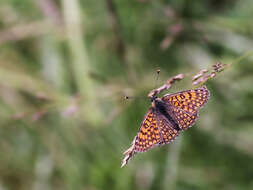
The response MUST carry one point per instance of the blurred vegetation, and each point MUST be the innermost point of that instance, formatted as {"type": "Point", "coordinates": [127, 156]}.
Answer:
{"type": "Point", "coordinates": [65, 67]}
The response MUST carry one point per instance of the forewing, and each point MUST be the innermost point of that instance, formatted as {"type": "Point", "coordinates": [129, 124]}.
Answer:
{"type": "Point", "coordinates": [188, 101]}
{"type": "Point", "coordinates": [149, 134]}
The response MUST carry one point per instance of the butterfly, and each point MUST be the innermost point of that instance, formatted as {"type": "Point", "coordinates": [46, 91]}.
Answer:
{"type": "Point", "coordinates": [168, 116]}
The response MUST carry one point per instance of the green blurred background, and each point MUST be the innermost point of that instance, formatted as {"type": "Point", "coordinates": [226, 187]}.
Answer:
{"type": "Point", "coordinates": [65, 66]}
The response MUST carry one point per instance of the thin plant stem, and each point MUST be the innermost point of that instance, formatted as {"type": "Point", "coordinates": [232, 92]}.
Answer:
{"type": "Point", "coordinates": [222, 68]}
{"type": "Point", "coordinates": [244, 56]}
{"type": "Point", "coordinates": [81, 63]}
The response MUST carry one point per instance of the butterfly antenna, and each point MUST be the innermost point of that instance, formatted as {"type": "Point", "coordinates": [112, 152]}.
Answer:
{"type": "Point", "coordinates": [128, 97]}
{"type": "Point", "coordinates": [157, 76]}
{"type": "Point", "coordinates": [134, 97]}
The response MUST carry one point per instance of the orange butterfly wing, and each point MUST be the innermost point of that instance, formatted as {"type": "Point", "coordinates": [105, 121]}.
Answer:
{"type": "Point", "coordinates": [184, 105]}
{"type": "Point", "coordinates": [184, 119]}
{"type": "Point", "coordinates": [149, 134]}
{"type": "Point", "coordinates": [188, 101]}
{"type": "Point", "coordinates": [168, 132]}
{"type": "Point", "coordinates": [155, 129]}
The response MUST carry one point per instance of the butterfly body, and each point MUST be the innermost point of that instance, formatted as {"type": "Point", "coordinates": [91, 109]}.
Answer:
{"type": "Point", "coordinates": [168, 116]}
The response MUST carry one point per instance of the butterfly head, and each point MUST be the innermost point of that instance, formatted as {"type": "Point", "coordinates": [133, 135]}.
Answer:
{"type": "Point", "coordinates": [153, 98]}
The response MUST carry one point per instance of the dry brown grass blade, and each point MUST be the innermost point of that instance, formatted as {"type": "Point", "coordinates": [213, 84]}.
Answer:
{"type": "Point", "coordinates": [129, 153]}
{"type": "Point", "coordinates": [167, 85]}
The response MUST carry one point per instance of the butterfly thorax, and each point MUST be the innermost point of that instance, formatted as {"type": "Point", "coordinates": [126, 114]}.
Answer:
{"type": "Point", "coordinates": [157, 102]}
{"type": "Point", "coordinates": [159, 105]}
